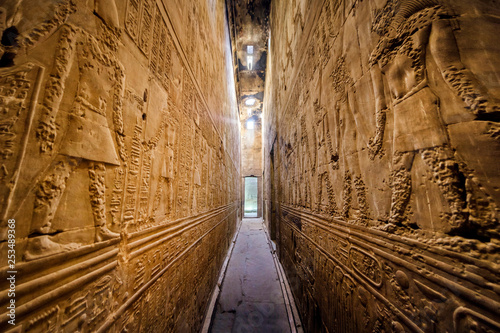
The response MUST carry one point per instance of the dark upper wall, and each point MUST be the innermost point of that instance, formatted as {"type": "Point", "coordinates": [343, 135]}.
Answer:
{"type": "Point", "coordinates": [381, 156]}
{"type": "Point", "coordinates": [120, 162]}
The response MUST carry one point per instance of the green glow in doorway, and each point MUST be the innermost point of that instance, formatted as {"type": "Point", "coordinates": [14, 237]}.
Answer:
{"type": "Point", "coordinates": [250, 197]}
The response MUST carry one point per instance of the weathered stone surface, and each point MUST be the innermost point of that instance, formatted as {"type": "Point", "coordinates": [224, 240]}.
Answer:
{"type": "Point", "coordinates": [381, 162]}
{"type": "Point", "coordinates": [119, 161]}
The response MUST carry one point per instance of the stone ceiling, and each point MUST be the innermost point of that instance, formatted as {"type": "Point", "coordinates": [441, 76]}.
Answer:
{"type": "Point", "coordinates": [249, 22]}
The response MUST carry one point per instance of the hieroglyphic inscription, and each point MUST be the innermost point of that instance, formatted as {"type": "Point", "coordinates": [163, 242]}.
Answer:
{"type": "Point", "coordinates": [117, 124]}
{"type": "Point", "coordinates": [143, 209]}
{"type": "Point", "coordinates": [44, 322]}
{"type": "Point", "coordinates": [117, 196]}
{"type": "Point", "coordinates": [401, 105]}
{"type": "Point", "coordinates": [75, 314]}
{"type": "Point", "coordinates": [101, 301]}
{"type": "Point", "coordinates": [366, 265]}
{"type": "Point", "coordinates": [133, 175]}
{"type": "Point", "coordinates": [132, 18]}
{"type": "Point", "coordinates": [15, 120]}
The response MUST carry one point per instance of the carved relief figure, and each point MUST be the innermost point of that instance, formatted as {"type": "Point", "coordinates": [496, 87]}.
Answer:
{"type": "Point", "coordinates": [411, 31]}
{"type": "Point", "coordinates": [88, 139]}
{"type": "Point", "coordinates": [20, 32]}
{"type": "Point", "coordinates": [167, 171]}
{"type": "Point", "coordinates": [346, 118]}
{"type": "Point", "coordinates": [327, 159]}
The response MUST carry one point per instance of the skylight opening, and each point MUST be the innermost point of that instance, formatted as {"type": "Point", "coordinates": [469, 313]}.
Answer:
{"type": "Point", "coordinates": [250, 102]}
{"type": "Point", "coordinates": [250, 49]}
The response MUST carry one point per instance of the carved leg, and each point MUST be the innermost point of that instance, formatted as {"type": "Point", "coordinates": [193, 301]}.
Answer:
{"type": "Point", "coordinates": [49, 192]}
{"type": "Point", "coordinates": [170, 197]}
{"type": "Point", "coordinates": [306, 192]}
{"type": "Point", "coordinates": [320, 192]}
{"type": "Point", "coordinates": [97, 189]}
{"type": "Point", "coordinates": [359, 186]}
{"type": "Point", "coordinates": [346, 195]}
{"type": "Point", "coordinates": [450, 181]}
{"type": "Point", "coordinates": [332, 203]}
{"type": "Point", "coordinates": [401, 187]}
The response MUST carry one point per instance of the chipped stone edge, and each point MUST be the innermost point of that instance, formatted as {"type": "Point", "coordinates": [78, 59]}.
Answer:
{"type": "Point", "coordinates": [291, 308]}
{"type": "Point", "coordinates": [209, 314]}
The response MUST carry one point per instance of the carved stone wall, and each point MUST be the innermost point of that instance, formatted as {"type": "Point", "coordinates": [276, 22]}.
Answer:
{"type": "Point", "coordinates": [119, 162]}
{"type": "Point", "coordinates": [382, 158]}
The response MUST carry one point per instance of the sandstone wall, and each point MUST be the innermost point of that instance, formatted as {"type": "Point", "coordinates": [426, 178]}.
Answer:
{"type": "Point", "coordinates": [382, 158]}
{"type": "Point", "coordinates": [119, 161]}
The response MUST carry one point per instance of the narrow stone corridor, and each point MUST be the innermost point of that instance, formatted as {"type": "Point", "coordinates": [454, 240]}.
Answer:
{"type": "Point", "coordinates": [203, 166]}
{"type": "Point", "coordinates": [251, 299]}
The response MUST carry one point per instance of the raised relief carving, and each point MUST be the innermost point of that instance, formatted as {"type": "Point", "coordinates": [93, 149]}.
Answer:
{"type": "Point", "coordinates": [366, 265]}
{"type": "Point", "coordinates": [75, 314]}
{"type": "Point", "coordinates": [164, 198]}
{"type": "Point", "coordinates": [326, 203]}
{"type": "Point", "coordinates": [84, 159]}
{"type": "Point", "coordinates": [18, 92]}
{"type": "Point", "coordinates": [347, 128]}
{"type": "Point", "coordinates": [421, 32]}
{"type": "Point", "coordinates": [466, 320]}
{"type": "Point", "coordinates": [46, 130]}
{"type": "Point", "coordinates": [344, 289]}
{"type": "Point", "coordinates": [139, 22]}
{"type": "Point", "coordinates": [101, 299]}
{"type": "Point", "coordinates": [402, 96]}
{"type": "Point", "coordinates": [46, 321]}
{"type": "Point", "coordinates": [88, 138]}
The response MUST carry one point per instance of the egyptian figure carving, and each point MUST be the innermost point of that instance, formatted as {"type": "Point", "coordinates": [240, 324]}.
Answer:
{"type": "Point", "coordinates": [327, 160]}
{"type": "Point", "coordinates": [104, 182]}
{"type": "Point", "coordinates": [165, 192]}
{"type": "Point", "coordinates": [408, 91]}
{"type": "Point", "coordinates": [88, 136]}
{"type": "Point", "coordinates": [22, 29]}
{"type": "Point", "coordinates": [412, 31]}
{"type": "Point", "coordinates": [20, 32]}
{"type": "Point", "coordinates": [346, 119]}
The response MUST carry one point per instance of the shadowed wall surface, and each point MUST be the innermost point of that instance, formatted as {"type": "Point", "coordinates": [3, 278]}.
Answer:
{"type": "Point", "coordinates": [381, 162]}
{"type": "Point", "coordinates": [120, 162]}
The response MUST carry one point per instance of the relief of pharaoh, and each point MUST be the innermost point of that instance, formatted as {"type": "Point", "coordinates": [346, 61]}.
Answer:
{"type": "Point", "coordinates": [412, 31]}
{"type": "Point", "coordinates": [88, 102]}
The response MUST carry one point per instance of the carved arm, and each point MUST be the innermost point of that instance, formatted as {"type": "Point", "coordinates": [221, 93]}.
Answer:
{"type": "Point", "coordinates": [461, 80]}
{"type": "Point", "coordinates": [375, 143]}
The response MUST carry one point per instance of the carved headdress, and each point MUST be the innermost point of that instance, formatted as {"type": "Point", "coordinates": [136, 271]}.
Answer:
{"type": "Point", "coordinates": [395, 12]}
{"type": "Point", "coordinates": [390, 20]}
{"type": "Point", "coordinates": [406, 8]}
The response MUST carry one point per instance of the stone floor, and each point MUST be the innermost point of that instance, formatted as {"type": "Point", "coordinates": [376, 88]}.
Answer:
{"type": "Point", "coordinates": [251, 299]}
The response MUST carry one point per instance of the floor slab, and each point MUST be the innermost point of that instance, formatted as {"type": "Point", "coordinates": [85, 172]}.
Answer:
{"type": "Point", "coordinates": [251, 299]}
